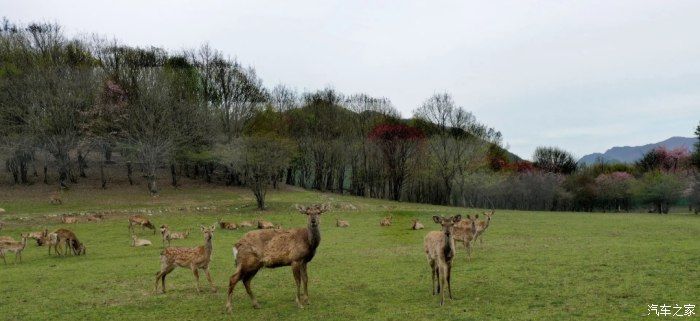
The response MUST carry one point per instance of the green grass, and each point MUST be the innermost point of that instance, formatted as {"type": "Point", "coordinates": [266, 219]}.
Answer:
{"type": "Point", "coordinates": [532, 266]}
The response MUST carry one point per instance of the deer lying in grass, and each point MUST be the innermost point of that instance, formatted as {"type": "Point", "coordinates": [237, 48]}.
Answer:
{"type": "Point", "coordinates": [135, 241]}
{"type": "Point", "coordinates": [275, 248]}
{"type": "Point", "coordinates": [14, 247]}
{"type": "Point", "coordinates": [385, 221]}
{"type": "Point", "coordinates": [439, 248]}
{"type": "Point", "coordinates": [68, 219]}
{"type": "Point", "coordinates": [95, 217]}
{"type": "Point", "coordinates": [262, 224]}
{"type": "Point", "coordinates": [55, 199]}
{"type": "Point", "coordinates": [194, 258]}
{"type": "Point", "coordinates": [341, 223]}
{"type": "Point", "coordinates": [465, 231]}
{"type": "Point", "coordinates": [169, 235]}
{"type": "Point", "coordinates": [70, 242]}
{"type": "Point", "coordinates": [227, 225]}
{"type": "Point", "coordinates": [140, 220]}
{"type": "Point", "coordinates": [481, 226]}
{"type": "Point", "coordinates": [417, 225]}
{"type": "Point", "coordinates": [245, 224]}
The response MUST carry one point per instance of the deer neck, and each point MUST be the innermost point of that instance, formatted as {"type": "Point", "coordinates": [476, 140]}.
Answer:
{"type": "Point", "coordinates": [314, 235]}
{"type": "Point", "coordinates": [448, 246]}
{"type": "Point", "coordinates": [208, 247]}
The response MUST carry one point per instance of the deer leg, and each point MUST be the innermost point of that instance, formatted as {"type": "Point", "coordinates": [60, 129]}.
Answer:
{"type": "Point", "coordinates": [443, 272]}
{"type": "Point", "coordinates": [213, 287]}
{"type": "Point", "coordinates": [195, 271]}
{"type": "Point", "coordinates": [305, 283]}
{"type": "Point", "coordinates": [449, 278]}
{"type": "Point", "coordinates": [433, 273]}
{"type": "Point", "coordinates": [232, 284]}
{"type": "Point", "coordinates": [246, 283]}
{"type": "Point", "coordinates": [296, 269]}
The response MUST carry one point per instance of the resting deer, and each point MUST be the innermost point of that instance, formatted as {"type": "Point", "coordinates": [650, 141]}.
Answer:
{"type": "Point", "coordinates": [439, 247]}
{"type": "Point", "coordinates": [55, 199]}
{"type": "Point", "coordinates": [262, 224]}
{"type": "Point", "coordinates": [194, 258]}
{"type": "Point", "coordinates": [140, 220]}
{"type": "Point", "coordinates": [227, 225]}
{"type": "Point", "coordinates": [14, 247]}
{"type": "Point", "coordinates": [70, 241]}
{"type": "Point", "coordinates": [245, 224]}
{"type": "Point", "coordinates": [341, 223]}
{"type": "Point", "coordinates": [95, 217]}
{"type": "Point", "coordinates": [67, 219]}
{"type": "Point", "coordinates": [417, 225]}
{"type": "Point", "coordinates": [481, 226]}
{"type": "Point", "coordinates": [465, 231]}
{"type": "Point", "coordinates": [135, 241]}
{"type": "Point", "coordinates": [385, 221]}
{"type": "Point", "coordinates": [275, 248]}
{"type": "Point", "coordinates": [170, 235]}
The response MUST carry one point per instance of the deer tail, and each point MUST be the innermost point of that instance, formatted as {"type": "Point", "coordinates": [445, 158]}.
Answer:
{"type": "Point", "coordinates": [235, 256]}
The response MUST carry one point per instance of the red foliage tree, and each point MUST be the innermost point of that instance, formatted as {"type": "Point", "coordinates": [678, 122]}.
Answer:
{"type": "Point", "coordinates": [398, 144]}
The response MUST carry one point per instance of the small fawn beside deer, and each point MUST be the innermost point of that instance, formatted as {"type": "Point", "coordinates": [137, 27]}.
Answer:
{"type": "Point", "coordinates": [194, 258]}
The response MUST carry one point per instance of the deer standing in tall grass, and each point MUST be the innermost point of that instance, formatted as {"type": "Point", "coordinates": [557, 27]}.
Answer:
{"type": "Point", "coordinates": [275, 248]}
{"type": "Point", "coordinates": [140, 220]}
{"type": "Point", "coordinates": [439, 248]}
{"type": "Point", "coordinates": [194, 258]}
{"type": "Point", "coordinates": [14, 247]}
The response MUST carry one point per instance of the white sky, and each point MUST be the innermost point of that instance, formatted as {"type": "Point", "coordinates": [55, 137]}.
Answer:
{"type": "Point", "coordinates": [581, 75]}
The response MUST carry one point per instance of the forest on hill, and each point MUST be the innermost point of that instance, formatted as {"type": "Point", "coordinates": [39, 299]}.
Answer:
{"type": "Point", "coordinates": [69, 103]}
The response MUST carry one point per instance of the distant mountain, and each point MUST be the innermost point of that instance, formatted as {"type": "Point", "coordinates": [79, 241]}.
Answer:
{"type": "Point", "coordinates": [630, 154]}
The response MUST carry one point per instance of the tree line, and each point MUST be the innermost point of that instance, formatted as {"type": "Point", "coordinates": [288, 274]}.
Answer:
{"type": "Point", "coordinates": [65, 102]}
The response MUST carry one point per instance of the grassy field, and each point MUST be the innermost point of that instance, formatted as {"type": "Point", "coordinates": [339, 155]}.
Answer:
{"type": "Point", "coordinates": [532, 265]}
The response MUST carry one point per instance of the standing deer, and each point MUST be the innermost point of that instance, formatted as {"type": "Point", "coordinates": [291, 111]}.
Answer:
{"type": "Point", "coordinates": [140, 220]}
{"type": "Point", "coordinates": [39, 236]}
{"type": "Point", "coordinates": [70, 241]}
{"type": "Point", "coordinates": [385, 221]}
{"type": "Point", "coordinates": [275, 248]}
{"type": "Point", "coordinates": [170, 235]}
{"type": "Point", "coordinates": [15, 247]}
{"type": "Point", "coordinates": [439, 248]}
{"type": "Point", "coordinates": [465, 231]}
{"type": "Point", "coordinates": [194, 258]}
{"type": "Point", "coordinates": [51, 241]}
{"type": "Point", "coordinates": [262, 224]}
{"type": "Point", "coordinates": [481, 226]}
{"type": "Point", "coordinates": [341, 223]}
{"type": "Point", "coordinates": [417, 225]}
{"type": "Point", "coordinates": [135, 241]}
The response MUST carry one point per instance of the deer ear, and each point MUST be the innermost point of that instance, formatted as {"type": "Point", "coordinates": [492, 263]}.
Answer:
{"type": "Point", "coordinates": [457, 218]}
{"type": "Point", "coordinates": [201, 227]}
{"type": "Point", "coordinates": [213, 227]}
{"type": "Point", "coordinates": [300, 208]}
{"type": "Point", "coordinates": [437, 219]}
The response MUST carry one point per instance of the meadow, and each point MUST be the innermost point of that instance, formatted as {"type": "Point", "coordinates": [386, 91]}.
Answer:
{"type": "Point", "coordinates": [531, 266]}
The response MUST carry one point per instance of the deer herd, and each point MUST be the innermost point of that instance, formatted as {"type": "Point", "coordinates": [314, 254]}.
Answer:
{"type": "Point", "coordinates": [268, 246]}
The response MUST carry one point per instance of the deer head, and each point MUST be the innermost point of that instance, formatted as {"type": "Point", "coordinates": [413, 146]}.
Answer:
{"type": "Point", "coordinates": [447, 223]}
{"type": "Point", "coordinates": [208, 232]}
{"type": "Point", "coordinates": [313, 212]}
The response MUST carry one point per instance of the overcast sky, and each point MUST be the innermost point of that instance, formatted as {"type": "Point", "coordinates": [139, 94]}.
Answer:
{"type": "Point", "coordinates": [581, 75]}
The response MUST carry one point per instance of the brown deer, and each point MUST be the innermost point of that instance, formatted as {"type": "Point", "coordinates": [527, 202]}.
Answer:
{"type": "Point", "coordinates": [417, 225]}
{"type": "Point", "coordinates": [140, 220]}
{"type": "Point", "coordinates": [169, 235]}
{"type": "Point", "coordinates": [194, 258]}
{"type": "Point", "coordinates": [465, 231]}
{"type": "Point", "coordinates": [55, 199]}
{"type": "Point", "coordinates": [275, 248]}
{"type": "Point", "coordinates": [262, 224]}
{"type": "Point", "coordinates": [439, 248]}
{"type": "Point", "coordinates": [7, 239]}
{"type": "Point", "coordinates": [227, 225]}
{"type": "Point", "coordinates": [385, 221]}
{"type": "Point", "coordinates": [15, 247]}
{"type": "Point", "coordinates": [70, 242]}
{"type": "Point", "coordinates": [481, 226]}
{"type": "Point", "coordinates": [51, 241]}
{"type": "Point", "coordinates": [341, 223]}
{"type": "Point", "coordinates": [135, 241]}
{"type": "Point", "coordinates": [245, 224]}
{"type": "Point", "coordinates": [95, 217]}
{"type": "Point", "coordinates": [68, 219]}
{"type": "Point", "coordinates": [39, 236]}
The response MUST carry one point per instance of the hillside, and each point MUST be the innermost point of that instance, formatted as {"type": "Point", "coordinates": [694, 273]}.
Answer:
{"type": "Point", "coordinates": [630, 154]}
